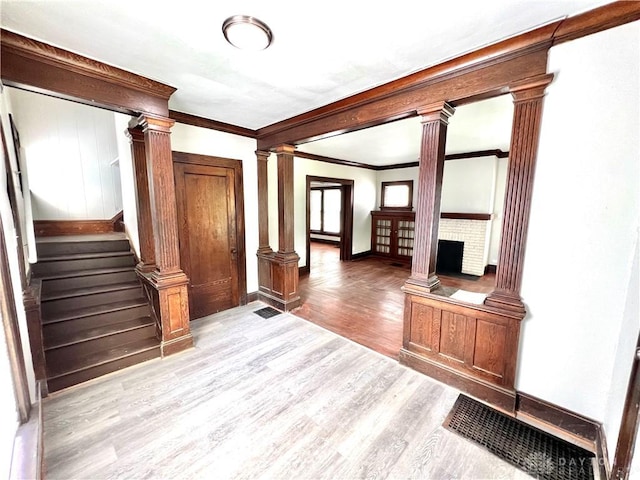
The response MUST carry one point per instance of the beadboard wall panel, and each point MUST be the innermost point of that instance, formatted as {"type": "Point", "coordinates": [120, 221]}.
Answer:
{"type": "Point", "coordinates": [71, 153]}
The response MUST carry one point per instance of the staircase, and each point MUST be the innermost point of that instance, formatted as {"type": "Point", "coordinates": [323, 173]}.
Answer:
{"type": "Point", "coordinates": [95, 316]}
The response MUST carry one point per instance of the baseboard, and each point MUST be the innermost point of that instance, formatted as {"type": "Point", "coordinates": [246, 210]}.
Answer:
{"type": "Point", "coordinates": [497, 397]}
{"type": "Point", "coordinates": [278, 302]}
{"type": "Point", "coordinates": [577, 427]}
{"type": "Point", "coordinates": [567, 425]}
{"type": "Point", "coordinates": [490, 269]}
{"type": "Point", "coordinates": [602, 454]}
{"type": "Point", "coordinates": [252, 297]}
{"type": "Point", "coordinates": [28, 459]}
{"type": "Point", "coordinates": [358, 256]}
{"type": "Point", "coordinates": [325, 240]}
{"type": "Point", "coordinates": [303, 270]}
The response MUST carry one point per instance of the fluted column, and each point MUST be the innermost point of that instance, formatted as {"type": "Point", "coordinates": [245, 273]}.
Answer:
{"type": "Point", "coordinates": [285, 199]}
{"type": "Point", "coordinates": [145, 227]}
{"type": "Point", "coordinates": [278, 272]}
{"type": "Point", "coordinates": [168, 283]}
{"type": "Point", "coordinates": [263, 202]}
{"type": "Point", "coordinates": [527, 98]}
{"type": "Point", "coordinates": [435, 118]}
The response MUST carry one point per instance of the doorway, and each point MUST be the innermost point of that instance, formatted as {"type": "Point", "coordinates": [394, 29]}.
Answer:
{"type": "Point", "coordinates": [210, 210]}
{"type": "Point", "coordinates": [340, 194]}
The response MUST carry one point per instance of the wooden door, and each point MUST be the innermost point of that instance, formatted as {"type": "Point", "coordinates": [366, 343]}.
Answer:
{"type": "Point", "coordinates": [208, 234]}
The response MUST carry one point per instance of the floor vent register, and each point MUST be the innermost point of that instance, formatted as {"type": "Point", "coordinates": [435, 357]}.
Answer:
{"type": "Point", "coordinates": [537, 453]}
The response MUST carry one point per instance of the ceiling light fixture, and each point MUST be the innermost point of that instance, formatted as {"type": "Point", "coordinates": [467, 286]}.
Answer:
{"type": "Point", "coordinates": [247, 33]}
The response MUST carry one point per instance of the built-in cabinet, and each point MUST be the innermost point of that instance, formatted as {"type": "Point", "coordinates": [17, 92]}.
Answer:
{"type": "Point", "coordinates": [392, 234]}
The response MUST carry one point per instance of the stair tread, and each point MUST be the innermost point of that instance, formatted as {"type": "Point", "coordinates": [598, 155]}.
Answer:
{"type": "Point", "coordinates": [85, 273]}
{"type": "Point", "coordinates": [80, 292]}
{"type": "Point", "coordinates": [63, 339]}
{"type": "Point", "coordinates": [83, 256]}
{"type": "Point", "coordinates": [95, 310]}
{"type": "Point", "coordinates": [99, 357]}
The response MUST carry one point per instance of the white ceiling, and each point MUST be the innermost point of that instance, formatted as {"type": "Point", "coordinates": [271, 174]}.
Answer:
{"type": "Point", "coordinates": [484, 125]}
{"type": "Point", "coordinates": [322, 51]}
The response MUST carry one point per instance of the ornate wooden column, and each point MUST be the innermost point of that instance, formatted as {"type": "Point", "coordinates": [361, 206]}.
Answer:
{"type": "Point", "coordinates": [263, 202]}
{"type": "Point", "coordinates": [280, 287]}
{"type": "Point", "coordinates": [527, 115]}
{"type": "Point", "coordinates": [167, 282]}
{"type": "Point", "coordinates": [145, 227]}
{"type": "Point", "coordinates": [435, 118]}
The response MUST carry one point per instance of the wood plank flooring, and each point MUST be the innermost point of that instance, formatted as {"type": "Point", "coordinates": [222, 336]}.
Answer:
{"type": "Point", "coordinates": [362, 300]}
{"type": "Point", "coordinates": [278, 398]}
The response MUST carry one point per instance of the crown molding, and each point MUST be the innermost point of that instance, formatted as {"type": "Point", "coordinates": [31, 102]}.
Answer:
{"type": "Point", "coordinates": [43, 52]}
{"type": "Point", "coordinates": [196, 121]}
{"type": "Point", "coordinates": [348, 163]}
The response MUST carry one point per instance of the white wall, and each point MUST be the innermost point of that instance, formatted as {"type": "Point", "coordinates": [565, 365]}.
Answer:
{"type": "Point", "coordinates": [576, 339]}
{"type": "Point", "coordinates": [364, 195]}
{"type": "Point", "coordinates": [127, 180]}
{"type": "Point", "coordinates": [186, 138]}
{"type": "Point", "coordinates": [469, 185]}
{"type": "Point", "coordinates": [69, 149]}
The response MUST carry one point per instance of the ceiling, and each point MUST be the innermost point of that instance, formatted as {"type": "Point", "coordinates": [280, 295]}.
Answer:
{"type": "Point", "coordinates": [322, 52]}
{"type": "Point", "coordinates": [484, 125]}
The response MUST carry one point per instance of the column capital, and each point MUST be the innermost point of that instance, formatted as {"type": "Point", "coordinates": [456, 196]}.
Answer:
{"type": "Point", "coordinates": [157, 123]}
{"type": "Point", "coordinates": [263, 155]}
{"type": "Point", "coordinates": [530, 88]}
{"type": "Point", "coordinates": [285, 149]}
{"type": "Point", "coordinates": [134, 134]}
{"type": "Point", "coordinates": [437, 111]}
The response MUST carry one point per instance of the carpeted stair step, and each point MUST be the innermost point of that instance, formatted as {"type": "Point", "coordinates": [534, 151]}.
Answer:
{"type": "Point", "coordinates": [55, 246]}
{"type": "Point", "coordinates": [94, 316]}
{"type": "Point", "coordinates": [56, 303]}
{"type": "Point", "coordinates": [82, 261]}
{"type": "Point", "coordinates": [79, 342]}
{"type": "Point", "coordinates": [100, 362]}
{"type": "Point", "coordinates": [62, 281]}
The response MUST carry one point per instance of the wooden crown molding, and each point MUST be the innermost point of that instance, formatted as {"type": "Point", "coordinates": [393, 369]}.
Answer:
{"type": "Point", "coordinates": [596, 20]}
{"type": "Point", "coordinates": [43, 52]}
{"type": "Point", "coordinates": [348, 163]}
{"type": "Point", "coordinates": [349, 113]}
{"type": "Point", "coordinates": [196, 121]}
{"type": "Point", "coordinates": [336, 161]}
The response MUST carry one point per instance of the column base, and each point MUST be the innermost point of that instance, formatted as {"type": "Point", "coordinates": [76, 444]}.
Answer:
{"type": "Point", "coordinates": [278, 278]}
{"type": "Point", "coordinates": [169, 300]}
{"type": "Point", "coordinates": [145, 268]}
{"type": "Point", "coordinates": [506, 301]}
{"type": "Point", "coordinates": [419, 284]}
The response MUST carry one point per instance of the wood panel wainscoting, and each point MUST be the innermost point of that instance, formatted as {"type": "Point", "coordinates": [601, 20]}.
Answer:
{"type": "Point", "coordinates": [469, 347]}
{"type": "Point", "coordinates": [52, 228]}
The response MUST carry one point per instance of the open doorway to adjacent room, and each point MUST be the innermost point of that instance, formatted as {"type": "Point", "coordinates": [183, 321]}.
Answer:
{"type": "Point", "coordinates": [362, 299]}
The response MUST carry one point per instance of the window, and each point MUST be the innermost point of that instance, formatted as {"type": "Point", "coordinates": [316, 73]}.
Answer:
{"type": "Point", "coordinates": [397, 195]}
{"type": "Point", "coordinates": [325, 210]}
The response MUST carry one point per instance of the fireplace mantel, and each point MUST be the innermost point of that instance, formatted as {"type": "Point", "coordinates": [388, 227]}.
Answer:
{"type": "Point", "coordinates": [466, 216]}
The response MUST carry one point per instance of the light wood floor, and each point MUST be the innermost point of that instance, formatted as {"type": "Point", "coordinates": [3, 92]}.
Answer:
{"type": "Point", "coordinates": [278, 398]}
{"type": "Point", "coordinates": [362, 300]}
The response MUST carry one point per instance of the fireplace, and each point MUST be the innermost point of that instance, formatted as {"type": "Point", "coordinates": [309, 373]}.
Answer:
{"type": "Point", "coordinates": [473, 232]}
{"type": "Point", "coordinates": [449, 256]}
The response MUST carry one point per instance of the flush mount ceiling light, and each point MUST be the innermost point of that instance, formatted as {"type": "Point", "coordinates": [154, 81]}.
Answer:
{"type": "Point", "coordinates": [247, 33]}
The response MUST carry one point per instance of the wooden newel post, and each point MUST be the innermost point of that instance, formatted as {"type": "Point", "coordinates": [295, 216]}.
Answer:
{"type": "Point", "coordinates": [145, 228]}
{"type": "Point", "coordinates": [167, 282]}
{"type": "Point", "coordinates": [435, 119]}
{"type": "Point", "coordinates": [527, 99]}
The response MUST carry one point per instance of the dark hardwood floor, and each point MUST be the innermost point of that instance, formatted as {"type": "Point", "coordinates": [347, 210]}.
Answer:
{"type": "Point", "coordinates": [362, 300]}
